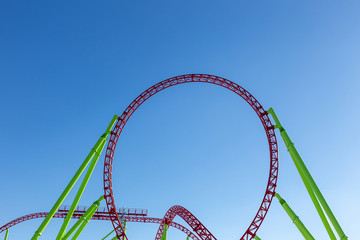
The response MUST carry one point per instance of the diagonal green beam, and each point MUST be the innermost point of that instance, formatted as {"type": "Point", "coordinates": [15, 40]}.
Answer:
{"type": "Point", "coordinates": [81, 190]}
{"type": "Point", "coordinates": [6, 235]}
{"type": "Point", "coordinates": [107, 235]}
{"type": "Point", "coordinates": [296, 220]}
{"type": "Point", "coordinates": [87, 218]}
{"type": "Point", "coordinates": [164, 235]}
{"type": "Point", "coordinates": [86, 215]}
{"type": "Point", "coordinates": [72, 182]}
{"type": "Point", "coordinates": [307, 179]}
{"type": "Point", "coordinates": [257, 238]}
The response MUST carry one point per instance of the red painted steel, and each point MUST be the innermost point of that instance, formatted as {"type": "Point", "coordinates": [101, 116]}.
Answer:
{"type": "Point", "coordinates": [189, 218]}
{"type": "Point", "coordinates": [97, 216]}
{"type": "Point", "coordinates": [103, 210]}
{"type": "Point", "coordinates": [203, 78]}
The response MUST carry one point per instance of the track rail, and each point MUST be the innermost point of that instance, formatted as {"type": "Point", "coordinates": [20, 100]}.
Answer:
{"type": "Point", "coordinates": [189, 218]}
{"type": "Point", "coordinates": [97, 216]}
{"type": "Point", "coordinates": [201, 78]}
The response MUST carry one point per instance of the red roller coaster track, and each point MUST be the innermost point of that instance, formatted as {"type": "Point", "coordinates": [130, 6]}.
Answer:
{"type": "Point", "coordinates": [97, 216]}
{"type": "Point", "coordinates": [202, 78]}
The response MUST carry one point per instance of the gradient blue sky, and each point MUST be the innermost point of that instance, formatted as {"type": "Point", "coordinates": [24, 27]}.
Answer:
{"type": "Point", "coordinates": [67, 67]}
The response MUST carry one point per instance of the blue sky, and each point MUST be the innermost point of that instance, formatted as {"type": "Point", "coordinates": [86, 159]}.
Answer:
{"type": "Point", "coordinates": [66, 68]}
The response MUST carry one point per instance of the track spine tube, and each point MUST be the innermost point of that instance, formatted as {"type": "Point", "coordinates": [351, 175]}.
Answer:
{"type": "Point", "coordinates": [257, 238]}
{"type": "Point", "coordinates": [296, 220]}
{"type": "Point", "coordinates": [307, 179]}
{"type": "Point", "coordinates": [72, 182]}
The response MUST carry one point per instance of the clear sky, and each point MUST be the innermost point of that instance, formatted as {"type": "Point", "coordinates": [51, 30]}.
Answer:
{"type": "Point", "coordinates": [67, 67]}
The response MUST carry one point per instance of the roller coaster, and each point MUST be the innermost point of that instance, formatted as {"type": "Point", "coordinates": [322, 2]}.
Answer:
{"type": "Point", "coordinates": [196, 231]}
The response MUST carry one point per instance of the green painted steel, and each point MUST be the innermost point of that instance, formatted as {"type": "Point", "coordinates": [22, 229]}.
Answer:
{"type": "Point", "coordinates": [86, 216]}
{"type": "Point", "coordinates": [164, 235]}
{"type": "Point", "coordinates": [316, 203]}
{"type": "Point", "coordinates": [81, 190]}
{"type": "Point", "coordinates": [124, 227]}
{"type": "Point", "coordinates": [107, 235]}
{"type": "Point", "coordinates": [187, 238]}
{"type": "Point", "coordinates": [7, 234]}
{"type": "Point", "coordinates": [296, 220]}
{"type": "Point", "coordinates": [72, 182]}
{"type": "Point", "coordinates": [308, 180]}
{"type": "Point", "coordinates": [257, 238]}
{"type": "Point", "coordinates": [115, 238]}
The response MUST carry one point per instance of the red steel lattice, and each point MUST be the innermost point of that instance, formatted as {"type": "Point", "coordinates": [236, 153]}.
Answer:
{"type": "Point", "coordinates": [97, 216]}
{"type": "Point", "coordinates": [189, 218]}
{"type": "Point", "coordinates": [202, 78]}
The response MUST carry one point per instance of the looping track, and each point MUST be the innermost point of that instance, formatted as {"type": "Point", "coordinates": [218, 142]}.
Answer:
{"type": "Point", "coordinates": [201, 78]}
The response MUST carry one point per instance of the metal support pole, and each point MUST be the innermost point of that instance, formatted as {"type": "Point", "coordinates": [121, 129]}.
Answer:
{"type": "Point", "coordinates": [6, 235]}
{"type": "Point", "coordinates": [124, 227]}
{"type": "Point", "coordinates": [87, 217]}
{"type": "Point", "coordinates": [257, 238]}
{"type": "Point", "coordinates": [296, 220]}
{"type": "Point", "coordinates": [91, 210]}
{"type": "Point", "coordinates": [187, 238]}
{"type": "Point", "coordinates": [81, 190]}
{"type": "Point", "coordinates": [307, 179]}
{"type": "Point", "coordinates": [72, 182]}
{"type": "Point", "coordinates": [164, 235]}
{"type": "Point", "coordinates": [108, 234]}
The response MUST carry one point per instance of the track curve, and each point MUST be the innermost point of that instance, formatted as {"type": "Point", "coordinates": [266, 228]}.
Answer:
{"type": "Point", "coordinates": [189, 218]}
{"type": "Point", "coordinates": [202, 78]}
{"type": "Point", "coordinates": [97, 217]}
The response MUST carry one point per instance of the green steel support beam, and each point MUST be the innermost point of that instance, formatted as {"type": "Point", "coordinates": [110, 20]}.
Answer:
{"type": "Point", "coordinates": [124, 227]}
{"type": "Point", "coordinates": [7, 234]}
{"type": "Point", "coordinates": [73, 181]}
{"type": "Point", "coordinates": [107, 235]}
{"type": "Point", "coordinates": [81, 190]}
{"type": "Point", "coordinates": [257, 238]}
{"type": "Point", "coordinates": [187, 238]}
{"type": "Point", "coordinates": [114, 238]}
{"type": "Point", "coordinates": [296, 220]}
{"type": "Point", "coordinates": [308, 178]}
{"type": "Point", "coordinates": [316, 203]}
{"type": "Point", "coordinates": [86, 216]}
{"type": "Point", "coordinates": [164, 235]}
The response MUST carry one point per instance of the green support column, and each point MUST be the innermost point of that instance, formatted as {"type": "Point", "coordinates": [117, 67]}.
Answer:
{"type": "Point", "coordinates": [307, 178]}
{"type": "Point", "coordinates": [81, 190]}
{"type": "Point", "coordinates": [257, 238]}
{"type": "Point", "coordinates": [187, 238]}
{"type": "Point", "coordinates": [108, 234]}
{"type": "Point", "coordinates": [6, 235]}
{"type": "Point", "coordinates": [164, 235]}
{"type": "Point", "coordinates": [72, 182]}
{"type": "Point", "coordinates": [124, 227]}
{"type": "Point", "coordinates": [296, 220]}
{"type": "Point", "coordinates": [86, 216]}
